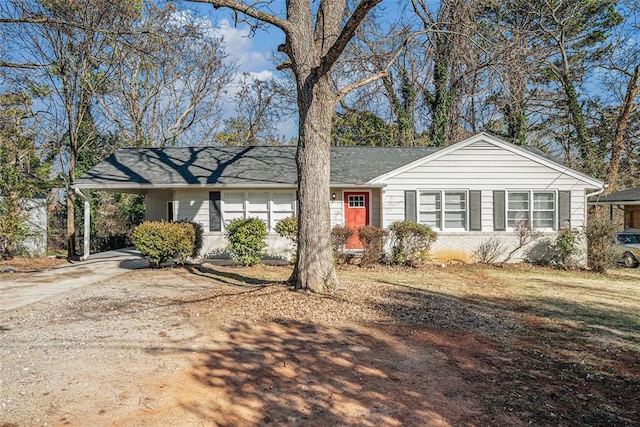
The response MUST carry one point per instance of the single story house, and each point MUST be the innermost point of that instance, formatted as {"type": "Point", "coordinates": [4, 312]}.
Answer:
{"type": "Point", "coordinates": [468, 192]}
{"type": "Point", "coordinates": [629, 201]}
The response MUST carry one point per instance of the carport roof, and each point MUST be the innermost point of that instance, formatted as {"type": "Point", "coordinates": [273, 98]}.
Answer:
{"type": "Point", "coordinates": [630, 196]}
{"type": "Point", "coordinates": [254, 166]}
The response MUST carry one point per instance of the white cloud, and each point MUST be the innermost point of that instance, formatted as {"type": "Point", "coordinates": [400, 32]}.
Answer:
{"type": "Point", "coordinates": [287, 128]}
{"type": "Point", "coordinates": [239, 46]}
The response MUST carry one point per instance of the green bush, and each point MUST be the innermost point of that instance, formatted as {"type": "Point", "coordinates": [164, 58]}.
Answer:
{"type": "Point", "coordinates": [247, 240]}
{"type": "Point", "coordinates": [373, 239]}
{"type": "Point", "coordinates": [160, 241]}
{"type": "Point", "coordinates": [198, 240]}
{"type": "Point", "coordinates": [411, 242]}
{"type": "Point", "coordinates": [288, 228]}
{"type": "Point", "coordinates": [599, 233]}
{"type": "Point", "coordinates": [564, 248]}
{"type": "Point", "coordinates": [13, 227]}
{"type": "Point", "coordinates": [339, 237]}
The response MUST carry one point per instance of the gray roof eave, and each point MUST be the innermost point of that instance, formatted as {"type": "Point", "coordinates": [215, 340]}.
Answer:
{"type": "Point", "coordinates": [123, 186]}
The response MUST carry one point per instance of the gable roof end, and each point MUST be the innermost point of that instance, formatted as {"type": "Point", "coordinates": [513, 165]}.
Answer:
{"type": "Point", "coordinates": [485, 137]}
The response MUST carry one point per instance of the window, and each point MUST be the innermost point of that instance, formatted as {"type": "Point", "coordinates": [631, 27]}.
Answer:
{"type": "Point", "coordinates": [544, 210]}
{"type": "Point", "coordinates": [356, 201]}
{"type": "Point", "coordinates": [517, 209]}
{"type": "Point", "coordinates": [430, 210]}
{"type": "Point", "coordinates": [536, 208]}
{"type": "Point", "coordinates": [455, 210]}
{"type": "Point", "coordinates": [450, 215]}
{"type": "Point", "coordinates": [270, 207]}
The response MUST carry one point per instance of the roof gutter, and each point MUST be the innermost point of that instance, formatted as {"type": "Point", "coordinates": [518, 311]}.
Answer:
{"type": "Point", "coordinates": [87, 224]}
{"type": "Point", "coordinates": [597, 192]}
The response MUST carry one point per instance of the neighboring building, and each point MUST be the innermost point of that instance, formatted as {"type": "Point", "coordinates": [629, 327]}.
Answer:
{"type": "Point", "coordinates": [629, 201]}
{"type": "Point", "coordinates": [35, 244]}
{"type": "Point", "coordinates": [468, 192]}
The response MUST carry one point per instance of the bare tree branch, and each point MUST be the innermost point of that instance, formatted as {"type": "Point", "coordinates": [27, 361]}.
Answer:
{"type": "Point", "coordinates": [353, 86]}
{"type": "Point", "coordinates": [346, 35]}
{"type": "Point", "coordinates": [238, 6]}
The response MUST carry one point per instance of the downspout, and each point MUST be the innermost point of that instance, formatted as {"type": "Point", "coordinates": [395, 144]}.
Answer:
{"type": "Point", "coordinates": [87, 225]}
{"type": "Point", "coordinates": [595, 193]}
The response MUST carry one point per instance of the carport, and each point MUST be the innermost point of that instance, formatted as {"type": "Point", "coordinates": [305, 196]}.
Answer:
{"type": "Point", "coordinates": [628, 200]}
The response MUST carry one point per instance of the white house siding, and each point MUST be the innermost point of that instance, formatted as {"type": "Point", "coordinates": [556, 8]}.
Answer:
{"type": "Point", "coordinates": [193, 205]}
{"type": "Point", "coordinates": [487, 168]}
{"type": "Point", "coordinates": [35, 242]}
{"type": "Point", "coordinates": [215, 246]}
{"type": "Point", "coordinates": [156, 204]}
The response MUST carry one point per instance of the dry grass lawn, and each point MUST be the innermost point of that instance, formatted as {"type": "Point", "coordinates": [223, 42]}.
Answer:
{"type": "Point", "coordinates": [211, 345]}
{"type": "Point", "coordinates": [531, 345]}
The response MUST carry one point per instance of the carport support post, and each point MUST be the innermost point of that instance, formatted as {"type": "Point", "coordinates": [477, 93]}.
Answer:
{"type": "Point", "coordinates": [87, 225]}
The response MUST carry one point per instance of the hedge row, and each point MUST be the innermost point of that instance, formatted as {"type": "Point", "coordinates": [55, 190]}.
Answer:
{"type": "Point", "coordinates": [178, 241]}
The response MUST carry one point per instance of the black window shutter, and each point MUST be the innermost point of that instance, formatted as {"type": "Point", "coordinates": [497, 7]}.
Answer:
{"type": "Point", "coordinates": [215, 216]}
{"type": "Point", "coordinates": [499, 223]}
{"type": "Point", "coordinates": [564, 209]}
{"type": "Point", "coordinates": [410, 206]}
{"type": "Point", "coordinates": [475, 211]}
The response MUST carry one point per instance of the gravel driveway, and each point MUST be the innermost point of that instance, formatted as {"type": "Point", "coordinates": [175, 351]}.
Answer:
{"type": "Point", "coordinates": [93, 343]}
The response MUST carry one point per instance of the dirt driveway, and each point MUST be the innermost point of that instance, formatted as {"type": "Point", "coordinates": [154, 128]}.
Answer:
{"type": "Point", "coordinates": [218, 347]}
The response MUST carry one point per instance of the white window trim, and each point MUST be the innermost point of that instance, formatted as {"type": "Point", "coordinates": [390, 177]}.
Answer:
{"type": "Point", "coordinates": [246, 206]}
{"type": "Point", "coordinates": [553, 228]}
{"type": "Point", "coordinates": [442, 192]}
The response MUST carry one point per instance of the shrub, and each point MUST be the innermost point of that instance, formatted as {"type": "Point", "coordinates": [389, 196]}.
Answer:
{"type": "Point", "coordinates": [339, 237]}
{"type": "Point", "coordinates": [247, 240]}
{"type": "Point", "coordinates": [198, 240]}
{"type": "Point", "coordinates": [160, 241]}
{"type": "Point", "coordinates": [411, 242]}
{"type": "Point", "coordinates": [288, 228]}
{"type": "Point", "coordinates": [373, 239]}
{"type": "Point", "coordinates": [525, 234]}
{"type": "Point", "coordinates": [13, 228]}
{"type": "Point", "coordinates": [564, 248]}
{"type": "Point", "coordinates": [489, 250]}
{"type": "Point", "coordinates": [599, 233]}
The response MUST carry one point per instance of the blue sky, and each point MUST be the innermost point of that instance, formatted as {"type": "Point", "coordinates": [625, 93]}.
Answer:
{"type": "Point", "coordinates": [252, 53]}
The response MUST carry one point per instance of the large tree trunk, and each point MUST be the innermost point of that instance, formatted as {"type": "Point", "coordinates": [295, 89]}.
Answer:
{"type": "Point", "coordinates": [314, 265]}
{"type": "Point", "coordinates": [315, 39]}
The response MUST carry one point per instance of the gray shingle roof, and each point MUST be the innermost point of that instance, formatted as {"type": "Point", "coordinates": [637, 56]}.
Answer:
{"type": "Point", "coordinates": [630, 195]}
{"type": "Point", "coordinates": [238, 166]}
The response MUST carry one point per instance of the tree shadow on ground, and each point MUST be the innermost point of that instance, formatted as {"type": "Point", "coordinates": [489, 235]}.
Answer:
{"type": "Point", "coordinates": [294, 373]}
{"type": "Point", "coordinates": [229, 278]}
{"type": "Point", "coordinates": [559, 361]}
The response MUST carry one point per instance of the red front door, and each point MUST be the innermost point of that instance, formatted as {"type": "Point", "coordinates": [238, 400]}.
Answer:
{"type": "Point", "coordinates": [356, 215]}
